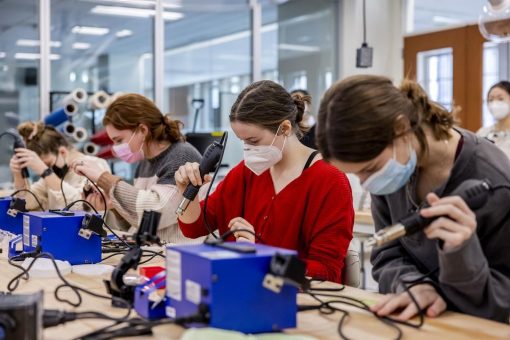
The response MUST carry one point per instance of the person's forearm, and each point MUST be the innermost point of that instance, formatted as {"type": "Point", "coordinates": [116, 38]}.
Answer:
{"type": "Point", "coordinates": [19, 181]}
{"type": "Point", "coordinates": [52, 182]}
{"type": "Point", "coordinates": [192, 213]}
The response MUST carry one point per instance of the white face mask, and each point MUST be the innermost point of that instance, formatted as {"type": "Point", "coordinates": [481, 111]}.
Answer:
{"type": "Point", "coordinates": [260, 158]}
{"type": "Point", "coordinates": [499, 109]}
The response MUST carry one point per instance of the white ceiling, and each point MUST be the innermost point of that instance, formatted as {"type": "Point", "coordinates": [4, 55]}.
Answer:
{"type": "Point", "coordinates": [204, 21]}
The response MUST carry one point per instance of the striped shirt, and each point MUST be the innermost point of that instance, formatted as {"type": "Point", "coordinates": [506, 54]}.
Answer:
{"type": "Point", "coordinates": [153, 189]}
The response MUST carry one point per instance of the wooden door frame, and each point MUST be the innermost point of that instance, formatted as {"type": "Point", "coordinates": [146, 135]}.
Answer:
{"type": "Point", "coordinates": [467, 45]}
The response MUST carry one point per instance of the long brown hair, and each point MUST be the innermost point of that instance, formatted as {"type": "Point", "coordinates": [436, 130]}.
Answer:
{"type": "Point", "coordinates": [131, 110]}
{"type": "Point", "coordinates": [42, 139]}
{"type": "Point", "coordinates": [357, 117]}
{"type": "Point", "coordinates": [267, 104]}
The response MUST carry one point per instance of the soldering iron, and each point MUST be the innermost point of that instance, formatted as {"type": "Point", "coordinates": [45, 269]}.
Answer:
{"type": "Point", "coordinates": [208, 163]}
{"type": "Point", "coordinates": [473, 191]}
{"type": "Point", "coordinates": [18, 143]}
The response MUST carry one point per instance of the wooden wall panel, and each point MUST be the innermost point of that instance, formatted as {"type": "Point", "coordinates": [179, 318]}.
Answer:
{"type": "Point", "coordinates": [467, 45]}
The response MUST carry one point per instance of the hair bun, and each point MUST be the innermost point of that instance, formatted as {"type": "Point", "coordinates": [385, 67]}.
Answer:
{"type": "Point", "coordinates": [30, 130]}
{"type": "Point", "coordinates": [300, 100]}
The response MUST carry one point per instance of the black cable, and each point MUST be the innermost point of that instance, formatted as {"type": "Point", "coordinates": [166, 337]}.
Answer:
{"type": "Point", "coordinates": [70, 205]}
{"type": "Point", "coordinates": [149, 259]}
{"type": "Point", "coordinates": [326, 307]}
{"type": "Point", "coordinates": [102, 196]}
{"type": "Point", "coordinates": [112, 255]}
{"type": "Point", "coordinates": [225, 235]}
{"type": "Point", "coordinates": [62, 188]}
{"type": "Point", "coordinates": [364, 22]}
{"type": "Point", "coordinates": [30, 192]}
{"type": "Point", "coordinates": [223, 142]}
{"type": "Point", "coordinates": [156, 253]}
{"type": "Point", "coordinates": [76, 289]}
{"type": "Point", "coordinates": [138, 326]}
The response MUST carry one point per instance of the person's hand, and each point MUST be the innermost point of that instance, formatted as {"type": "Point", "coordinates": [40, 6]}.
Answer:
{"type": "Point", "coordinates": [91, 195]}
{"type": "Point", "coordinates": [425, 294]}
{"type": "Point", "coordinates": [88, 168]}
{"type": "Point", "coordinates": [29, 159]}
{"type": "Point", "coordinates": [15, 165]}
{"type": "Point", "coordinates": [189, 173]}
{"type": "Point", "coordinates": [241, 229]}
{"type": "Point", "coordinates": [456, 224]}
{"type": "Point", "coordinates": [96, 200]}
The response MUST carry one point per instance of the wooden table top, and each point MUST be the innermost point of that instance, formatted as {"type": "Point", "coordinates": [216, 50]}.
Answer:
{"type": "Point", "coordinates": [361, 325]}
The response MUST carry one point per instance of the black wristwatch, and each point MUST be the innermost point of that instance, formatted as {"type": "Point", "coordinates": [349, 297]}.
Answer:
{"type": "Point", "coordinates": [47, 172]}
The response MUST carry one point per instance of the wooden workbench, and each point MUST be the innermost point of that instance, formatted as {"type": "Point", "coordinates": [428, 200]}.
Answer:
{"type": "Point", "coordinates": [361, 325]}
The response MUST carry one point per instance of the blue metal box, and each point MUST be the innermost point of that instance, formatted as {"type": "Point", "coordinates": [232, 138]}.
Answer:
{"type": "Point", "coordinates": [58, 235]}
{"type": "Point", "coordinates": [8, 223]}
{"type": "Point", "coordinates": [229, 283]}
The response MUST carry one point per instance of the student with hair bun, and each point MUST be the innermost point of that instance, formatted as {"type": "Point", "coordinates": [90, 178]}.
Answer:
{"type": "Point", "coordinates": [406, 151]}
{"type": "Point", "coordinates": [48, 154]}
{"type": "Point", "coordinates": [282, 194]}
{"type": "Point", "coordinates": [143, 135]}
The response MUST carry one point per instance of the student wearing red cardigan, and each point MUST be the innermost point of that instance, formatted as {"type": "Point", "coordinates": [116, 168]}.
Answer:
{"type": "Point", "coordinates": [283, 191]}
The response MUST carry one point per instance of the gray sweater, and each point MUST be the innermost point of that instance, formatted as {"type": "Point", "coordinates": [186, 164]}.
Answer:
{"type": "Point", "coordinates": [474, 279]}
{"type": "Point", "coordinates": [154, 189]}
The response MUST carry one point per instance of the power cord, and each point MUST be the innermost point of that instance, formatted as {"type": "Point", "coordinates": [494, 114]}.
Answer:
{"type": "Point", "coordinates": [13, 284]}
{"type": "Point", "coordinates": [230, 232]}
{"type": "Point", "coordinates": [31, 193]}
{"type": "Point", "coordinates": [138, 326]}
{"type": "Point", "coordinates": [327, 307]}
{"type": "Point", "coordinates": [62, 188]}
{"type": "Point", "coordinates": [70, 205]}
{"type": "Point", "coordinates": [102, 196]}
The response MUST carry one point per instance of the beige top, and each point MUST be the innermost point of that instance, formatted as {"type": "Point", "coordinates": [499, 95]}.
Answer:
{"type": "Point", "coordinates": [500, 138]}
{"type": "Point", "coordinates": [72, 186]}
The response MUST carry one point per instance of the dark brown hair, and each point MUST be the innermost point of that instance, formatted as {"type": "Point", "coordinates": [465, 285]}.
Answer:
{"type": "Point", "coordinates": [357, 117]}
{"type": "Point", "coordinates": [503, 84]}
{"type": "Point", "coordinates": [41, 138]}
{"type": "Point", "coordinates": [130, 110]}
{"type": "Point", "coordinates": [267, 104]}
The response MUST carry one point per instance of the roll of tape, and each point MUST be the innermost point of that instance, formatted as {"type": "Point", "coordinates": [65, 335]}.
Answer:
{"type": "Point", "coordinates": [68, 129]}
{"type": "Point", "coordinates": [80, 135]}
{"type": "Point", "coordinates": [101, 138]}
{"type": "Point", "coordinates": [77, 95]}
{"type": "Point", "coordinates": [99, 100]}
{"type": "Point", "coordinates": [71, 108]}
{"type": "Point", "coordinates": [90, 149]}
{"type": "Point", "coordinates": [56, 117]}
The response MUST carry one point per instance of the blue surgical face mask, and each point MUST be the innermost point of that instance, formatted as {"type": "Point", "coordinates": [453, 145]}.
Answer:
{"type": "Point", "coordinates": [392, 176]}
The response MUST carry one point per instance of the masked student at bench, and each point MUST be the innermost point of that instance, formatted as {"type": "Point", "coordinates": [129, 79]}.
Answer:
{"type": "Point", "coordinates": [406, 151]}
{"type": "Point", "coordinates": [283, 192]}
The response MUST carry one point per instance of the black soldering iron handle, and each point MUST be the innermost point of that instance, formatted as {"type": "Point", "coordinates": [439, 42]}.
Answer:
{"type": "Point", "coordinates": [18, 143]}
{"type": "Point", "coordinates": [473, 191]}
{"type": "Point", "coordinates": [211, 157]}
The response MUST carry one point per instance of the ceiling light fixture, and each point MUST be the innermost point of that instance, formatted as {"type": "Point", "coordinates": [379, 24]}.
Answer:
{"type": "Point", "coordinates": [123, 33]}
{"type": "Point", "coordinates": [35, 43]}
{"type": "Point", "coordinates": [81, 46]}
{"type": "Point", "coordinates": [34, 56]}
{"type": "Point", "coordinates": [89, 30]}
{"type": "Point", "coordinates": [133, 12]}
{"type": "Point", "coordinates": [142, 3]}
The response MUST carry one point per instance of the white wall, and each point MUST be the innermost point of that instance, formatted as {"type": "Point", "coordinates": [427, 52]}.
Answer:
{"type": "Point", "coordinates": [384, 33]}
